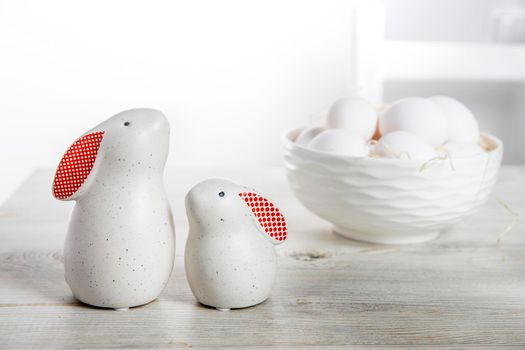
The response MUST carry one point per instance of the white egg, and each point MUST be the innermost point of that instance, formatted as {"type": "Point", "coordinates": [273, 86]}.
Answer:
{"type": "Point", "coordinates": [462, 125]}
{"type": "Point", "coordinates": [404, 145]}
{"type": "Point", "coordinates": [307, 134]}
{"type": "Point", "coordinates": [462, 149]}
{"type": "Point", "coordinates": [341, 142]}
{"type": "Point", "coordinates": [355, 114]}
{"type": "Point", "coordinates": [417, 115]}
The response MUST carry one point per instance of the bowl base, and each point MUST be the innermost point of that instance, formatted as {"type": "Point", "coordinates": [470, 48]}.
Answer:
{"type": "Point", "coordinates": [385, 238]}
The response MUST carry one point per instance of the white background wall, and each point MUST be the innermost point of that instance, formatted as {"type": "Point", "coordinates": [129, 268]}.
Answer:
{"type": "Point", "coordinates": [230, 75]}
{"type": "Point", "coordinates": [449, 20]}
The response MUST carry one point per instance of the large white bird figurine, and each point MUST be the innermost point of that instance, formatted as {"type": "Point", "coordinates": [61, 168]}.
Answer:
{"type": "Point", "coordinates": [230, 258]}
{"type": "Point", "coordinates": [120, 243]}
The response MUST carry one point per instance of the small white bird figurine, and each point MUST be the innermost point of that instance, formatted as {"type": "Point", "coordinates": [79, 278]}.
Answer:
{"type": "Point", "coordinates": [120, 243]}
{"type": "Point", "coordinates": [230, 258]}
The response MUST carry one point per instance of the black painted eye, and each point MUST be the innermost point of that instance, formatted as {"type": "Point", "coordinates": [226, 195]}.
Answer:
{"type": "Point", "coordinates": [221, 194]}
{"type": "Point", "coordinates": [126, 123]}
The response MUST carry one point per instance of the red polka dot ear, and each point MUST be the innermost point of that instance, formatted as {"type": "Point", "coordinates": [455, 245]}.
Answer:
{"type": "Point", "coordinates": [268, 215]}
{"type": "Point", "coordinates": [76, 164]}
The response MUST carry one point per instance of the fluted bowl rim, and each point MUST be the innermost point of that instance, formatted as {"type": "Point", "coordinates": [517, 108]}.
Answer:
{"type": "Point", "coordinates": [288, 139]}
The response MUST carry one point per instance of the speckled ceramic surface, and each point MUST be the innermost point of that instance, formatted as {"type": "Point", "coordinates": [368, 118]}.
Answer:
{"type": "Point", "coordinates": [230, 259]}
{"type": "Point", "coordinates": [390, 201]}
{"type": "Point", "coordinates": [120, 244]}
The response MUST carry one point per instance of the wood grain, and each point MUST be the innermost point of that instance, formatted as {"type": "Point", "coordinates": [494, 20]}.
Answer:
{"type": "Point", "coordinates": [463, 290]}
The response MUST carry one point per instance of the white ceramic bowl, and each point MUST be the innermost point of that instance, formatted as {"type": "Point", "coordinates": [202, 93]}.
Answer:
{"type": "Point", "coordinates": [390, 201]}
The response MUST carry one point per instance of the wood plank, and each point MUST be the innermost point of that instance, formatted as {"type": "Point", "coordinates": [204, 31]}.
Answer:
{"type": "Point", "coordinates": [463, 290]}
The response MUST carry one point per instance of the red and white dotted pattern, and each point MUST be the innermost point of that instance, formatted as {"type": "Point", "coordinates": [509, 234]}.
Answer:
{"type": "Point", "coordinates": [270, 218]}
{"type": "Point", "coordinates": [76, 165]}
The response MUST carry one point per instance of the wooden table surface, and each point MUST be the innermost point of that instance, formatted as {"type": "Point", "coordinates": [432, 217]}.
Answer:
{"type": "Point", "coordinates": [462, 290]}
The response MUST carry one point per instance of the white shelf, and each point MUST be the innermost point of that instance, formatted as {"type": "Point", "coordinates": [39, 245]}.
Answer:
{"type": "Point", "coordinates": [417, 61]}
